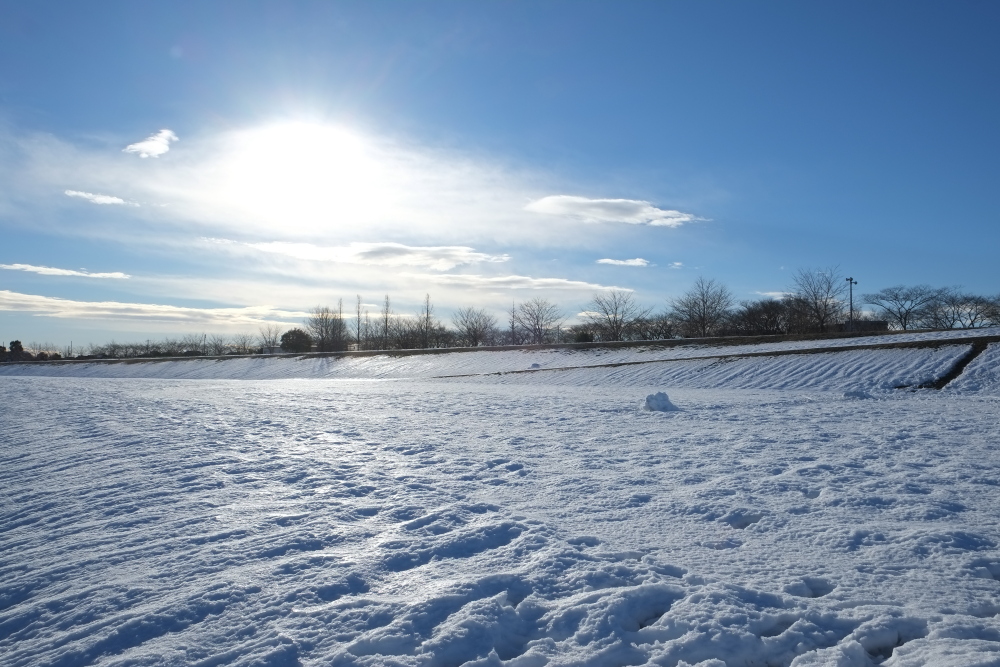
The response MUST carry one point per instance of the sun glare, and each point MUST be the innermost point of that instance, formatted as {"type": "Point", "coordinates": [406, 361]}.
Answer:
{"type": "Point", "coordinates": [302, 176]}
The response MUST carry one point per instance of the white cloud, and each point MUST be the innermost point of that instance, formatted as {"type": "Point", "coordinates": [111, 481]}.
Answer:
{"type": "Point", "coordinates": [631, 211]}
{"type": "Point", "coordinates": [50, 271]}
{"type": "Point", "coordinates": [153, 146]}
{"type": "Point", "coordinates": [471, 281]}
{"type": "Point", "coordinates": [774, 295]}
{"type": "Point", "coordinates": [638, 261]}
{"type": "Point", "coordinates": [676, 265]}
{"type": "Point", "coordinates": [99, 199]}
{"type": "Point", "coordinates": [439, 258]}
{"type": "Point", "coordinates": [145, 312]}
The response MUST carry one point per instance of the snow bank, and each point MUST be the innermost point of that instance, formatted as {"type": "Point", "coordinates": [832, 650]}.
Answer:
{"type": "Point", "coordinates": [431, 365]}
{"type": "Point", "coordinates": [868, 371]}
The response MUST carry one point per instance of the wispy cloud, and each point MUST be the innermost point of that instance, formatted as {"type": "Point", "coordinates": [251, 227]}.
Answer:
{"type": "Point", "coordinates": [439, 258]}
{"type": "Point", "coordinates": [471, 281]}
{"type": "Point", "coordinates": [99, 199]}
{"type": "Point", "coordinates": [676, 265]}
{"type": "Point", "coordinates": [638, 261]}
{"type": "Point", "coordinates": [153, 146]}
{"type": "Point", "coordinates": [51, 271]}
{"type": "Point", "coordinates": [153, 313]}
{"type": "Point", "coordinates": [774, 295]}
{"type": "Point", "coordinates": [631, 211]}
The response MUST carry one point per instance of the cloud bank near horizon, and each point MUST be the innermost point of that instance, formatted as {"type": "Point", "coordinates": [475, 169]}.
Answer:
{"type": "Point", "coordinates": [47, 306]}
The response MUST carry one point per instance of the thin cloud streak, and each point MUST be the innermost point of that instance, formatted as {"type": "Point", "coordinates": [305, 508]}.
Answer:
{"type": "Point", "coordinates": [99, 199]}
{"type": "Point", "coordinates": [472, 281]}
{"type": "Point", "coordinates": [638, 261]}
{"type": "Point", "coordinates": [629, 211]}
{"type": "Point", "coordinates": [439, 258]}
{"type": "Point", "coordinates": [113, 310]}
{"type": "Point", "coordinates": [153, 146]}
{"type": "Point", "coordinates": [52, 271]}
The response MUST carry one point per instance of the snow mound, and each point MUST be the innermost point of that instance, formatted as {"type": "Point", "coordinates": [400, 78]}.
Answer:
{"type": "Point", "coordinates": [857, 394]}
{"type": "Point", "coordinates": [659, 402]}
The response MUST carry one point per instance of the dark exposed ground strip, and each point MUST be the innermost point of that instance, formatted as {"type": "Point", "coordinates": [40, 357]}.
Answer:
{"type": "Point", "coordinates": [977, 348]}
{"type": "Point", "coordinates": [934, 344]}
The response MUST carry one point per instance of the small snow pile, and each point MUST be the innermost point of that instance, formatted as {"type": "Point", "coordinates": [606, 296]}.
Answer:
{"type": "Point", "coordinates": [659, 402]}
{"type": "Point", "coordinates": [858, 394]}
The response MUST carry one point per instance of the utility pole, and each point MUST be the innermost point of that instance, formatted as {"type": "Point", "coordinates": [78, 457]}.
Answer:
{"type": "Point", "coordinates": [851, 282]}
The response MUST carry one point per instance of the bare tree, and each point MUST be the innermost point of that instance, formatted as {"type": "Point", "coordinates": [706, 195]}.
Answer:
{"type": "Point", "coordinates": [993, 312]}
{"type": "Point", "coordinates": [426, 322]}
{"type": "Point", "coordinates": [537, 318]}
{"type": "Point", "coordinates": [243, 343]}
{"type": "Point", "coordinates": [270, 336]}
{"type": "Point", "coordinates": [612, 313]}
{"type": "Point", "coordinates": [357, 321]}
{"type": "Point", "coordinates": [954, 309]}
{"type": "Point", "coordinates": [702, 310]}
{"type": "Point", "coordinates": [975, 312]}
{"type": "Point", "coordinates": [654, 327]}
{"type": "Point", "coordinates": [764, 317]}
{"type": "Point", "coordinates": [385, 324]}
{"type": "Point", "coordinates": [217, 344]}
{"type": "Point", "coordinates": [475, 326]}
{"type": "Point", "coordinates": [191, 344]}
{"type": "Point", "coordinates": [904, 307]}
{"type": "Point", "coordinates": [326, 328]}
{"type": "Point", "coordinates": [821, 294]}
{"type": "Point", "coordinates": [512, 323]}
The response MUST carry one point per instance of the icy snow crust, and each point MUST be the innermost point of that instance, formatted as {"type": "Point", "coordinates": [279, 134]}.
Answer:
{"type": "Point", "coordinates": [795, 510]}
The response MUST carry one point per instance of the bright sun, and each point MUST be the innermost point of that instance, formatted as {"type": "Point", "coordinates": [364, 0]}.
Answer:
{"type": "Point", "coordinates": [303, 176]}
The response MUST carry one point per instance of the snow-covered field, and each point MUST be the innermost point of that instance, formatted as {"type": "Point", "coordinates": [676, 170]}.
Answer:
{"type": "Point", "coordinates": [795, 510]}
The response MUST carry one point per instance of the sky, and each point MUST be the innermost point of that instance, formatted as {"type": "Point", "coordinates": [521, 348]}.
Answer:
{"type": "Point", "coordinates": [182, 167]}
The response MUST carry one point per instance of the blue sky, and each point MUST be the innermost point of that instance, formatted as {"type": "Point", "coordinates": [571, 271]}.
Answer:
{"type": "Point", "coordinates": [297, 153]}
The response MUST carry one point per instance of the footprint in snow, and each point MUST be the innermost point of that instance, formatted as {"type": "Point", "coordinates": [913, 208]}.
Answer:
{"type": "Point", "coordinates": [810, 587]}
{"type": "Point", "coordinates": [741, 518]}
{"type": "Point", "coordinates": [584, 541]}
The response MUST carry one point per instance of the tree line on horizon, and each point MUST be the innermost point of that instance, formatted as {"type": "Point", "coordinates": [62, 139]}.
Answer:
{"type": "Point", "coordinates": [815, 303]}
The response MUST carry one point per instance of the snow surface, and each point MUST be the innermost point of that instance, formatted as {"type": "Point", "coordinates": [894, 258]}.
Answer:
{"type": "Point", "coordinates": [798, 510]}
